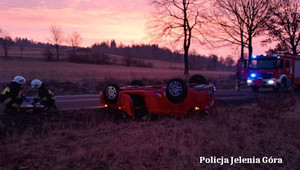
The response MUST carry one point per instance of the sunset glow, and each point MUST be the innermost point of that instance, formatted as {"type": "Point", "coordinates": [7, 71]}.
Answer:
{"type": "Point", "coordinates": [95, 20]}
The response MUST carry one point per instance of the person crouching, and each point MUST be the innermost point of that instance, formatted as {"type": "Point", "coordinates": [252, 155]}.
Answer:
{"type": "Point", "coordinates": [45, 96]}
{"type": "Point", "coordinates": [11, 96]}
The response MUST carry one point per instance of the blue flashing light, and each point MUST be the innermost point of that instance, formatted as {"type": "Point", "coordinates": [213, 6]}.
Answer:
{"type": "Point", "coordinates": [254, 56]}
{"type": "Point", "coordinates": [274, 55]}
{"type": "Point", "coordinates": [252, 75]}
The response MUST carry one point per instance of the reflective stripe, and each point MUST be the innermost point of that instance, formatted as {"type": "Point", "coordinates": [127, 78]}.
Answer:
{"type": "Point", "coordinates": [44, 98]}
{"type": "Point", "coordinates": [50, 92]}
{"type": "Point", "coordinates": [15, 105]}
{"type": "Point", "coordinates": [7, 101]}
{"type": "Point", "coordinates": [6, 90]}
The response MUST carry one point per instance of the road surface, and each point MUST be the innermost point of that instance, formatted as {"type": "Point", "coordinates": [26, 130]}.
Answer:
{"type": "Point", "coordinates": [74, 102]}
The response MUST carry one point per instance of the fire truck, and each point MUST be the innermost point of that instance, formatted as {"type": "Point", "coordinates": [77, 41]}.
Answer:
{"type": "Point", "coordinates": [278, 71]}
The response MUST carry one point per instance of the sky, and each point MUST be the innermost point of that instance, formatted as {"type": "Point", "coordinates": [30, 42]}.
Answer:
{"type": "Point", "coordinates": [95, 20]}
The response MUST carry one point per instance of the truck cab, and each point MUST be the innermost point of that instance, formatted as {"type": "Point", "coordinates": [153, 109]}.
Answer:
{"type": "Point", "coordinates": [275, 71]}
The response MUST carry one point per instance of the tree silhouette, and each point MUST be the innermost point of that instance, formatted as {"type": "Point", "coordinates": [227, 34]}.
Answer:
{"type": "Point", "coordinates": [75, 39]}
{"type": "Point", "coordinates": [6, 41]}
{"type": "Point", "coordinates": [178, 21]}
{"type": "Point", "coordinates": [242, 20]}
{"type": "Point", "coordinates": [284, 25]}
{"type": "Point", "coordinates": [57, 37]}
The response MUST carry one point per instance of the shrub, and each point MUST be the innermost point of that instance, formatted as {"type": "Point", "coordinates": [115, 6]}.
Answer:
{"type": "Point", "coordinates": [142, 63]}
{"type": "Point", "coordinates": [77, 58]}
{"type": "Point", "coordinates": [100, 58]}
{"type": "Point", "coordinates": [129, 61]}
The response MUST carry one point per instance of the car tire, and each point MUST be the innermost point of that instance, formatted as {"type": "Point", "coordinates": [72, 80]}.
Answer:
{"type": "Point", "coordinates": [137, 83]}
{"type": "Point", "coordinates": [198, 79]}
{"type": "Point", "coordinates": [111, 93]}
{"type": "Point", "coordinates": [176, 90]}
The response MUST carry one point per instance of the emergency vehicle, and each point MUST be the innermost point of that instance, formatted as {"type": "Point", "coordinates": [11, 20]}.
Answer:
{"type": "Point", "coordinates": [278, 71]}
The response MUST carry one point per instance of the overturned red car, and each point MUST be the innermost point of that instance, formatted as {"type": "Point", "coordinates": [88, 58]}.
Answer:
{"type": "Point", "coordinates": [176, 99]}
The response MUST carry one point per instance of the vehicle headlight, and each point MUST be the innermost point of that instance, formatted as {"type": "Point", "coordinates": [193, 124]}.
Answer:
{"type": "Point", "coordinates": [271, 82]}
{"type": "Point", "coordinates": [249, 81]}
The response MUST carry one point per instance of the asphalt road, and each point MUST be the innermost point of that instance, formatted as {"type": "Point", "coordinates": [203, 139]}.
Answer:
{"type": "Point", "coordinates": [74, 102]}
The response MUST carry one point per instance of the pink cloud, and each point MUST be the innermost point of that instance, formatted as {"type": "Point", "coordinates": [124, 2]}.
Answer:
{"type": "Point", "coordinates": [96, 20]}
{"type": "Point", "coordinates": [94, 25]}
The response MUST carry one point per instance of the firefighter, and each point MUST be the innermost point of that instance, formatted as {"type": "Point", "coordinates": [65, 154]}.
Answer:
{"type": "Point", "coordinates": [45, 96]}
{"type": "Point", "coordinates": [10, 97]}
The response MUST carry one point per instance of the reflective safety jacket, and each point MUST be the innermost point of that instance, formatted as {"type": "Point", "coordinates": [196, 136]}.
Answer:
{"type": "Point", "coordinates": [11, 96]}
{"type": "Point", "coordinates": [45, 96]}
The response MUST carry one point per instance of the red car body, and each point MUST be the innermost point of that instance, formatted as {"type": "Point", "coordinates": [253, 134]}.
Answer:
{"type": "Point", "coordinates": [198, 97]}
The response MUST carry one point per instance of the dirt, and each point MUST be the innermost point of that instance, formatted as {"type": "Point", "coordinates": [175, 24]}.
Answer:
{"type": "Point", "coordinates": [103, 139]}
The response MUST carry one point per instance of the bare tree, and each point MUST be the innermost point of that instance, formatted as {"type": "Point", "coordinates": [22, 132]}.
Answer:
{"type": "Point", "coordinates": [284, 25]}
{"type": "Point", "coordinates": [279, 48]}
{"type": "Point", "coordinates": [244, 19]}
{"type": "Point", "coordinates": [178, 21]}
{"type": "Point", "coordinates": [6, 41]}
{"type": "Point", "coordinates": [57, 37]}
{"type": "Point", "coordinates": [75, 40]}
{"type": "Point", "coordinates": [230, 28]}
{"type": "Point", "coordinates": [21, 44]}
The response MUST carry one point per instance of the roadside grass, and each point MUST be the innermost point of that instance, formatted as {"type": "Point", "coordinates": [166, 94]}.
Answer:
{"type": "Point", "coordinates": [71, 78]}
{"type": "Point", "coordinates": [100, 139]}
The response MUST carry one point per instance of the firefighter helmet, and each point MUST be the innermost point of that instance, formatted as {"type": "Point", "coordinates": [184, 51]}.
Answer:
{"type": "Point", "coordinates": [36, 83]}
{"type": "Point", "coordinates": [20, 80]}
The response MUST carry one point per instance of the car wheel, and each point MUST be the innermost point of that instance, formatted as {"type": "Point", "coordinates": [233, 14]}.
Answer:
{"type": "Point", "coordinates": [137, 83]}
{"type": "Point", "coordinates": [254, 88]}
{"type": "Point", "coordinates": [176, 90]}
{"type": "Point", "coordinates": [111, 93]}
{"type": "Point", "coordinates": [198, 79]}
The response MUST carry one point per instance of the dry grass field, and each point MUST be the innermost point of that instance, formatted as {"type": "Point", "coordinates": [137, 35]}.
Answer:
{"type": "Point", "coordinates": [99, 139]}
{"type": "Point", "coordinates": [72, 78]}
{"type": "Point", "coordinates": [37, 53]}
{"type": "Point", "coordinates": [65, 71]}
{"type": "Point", "coordinates": [102, 139]}
{"type": "Point", "coordinates": [28, 52]}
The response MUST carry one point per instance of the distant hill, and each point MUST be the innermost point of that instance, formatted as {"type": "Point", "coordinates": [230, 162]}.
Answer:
{"type": "Point", "coordinates": [138, 51]}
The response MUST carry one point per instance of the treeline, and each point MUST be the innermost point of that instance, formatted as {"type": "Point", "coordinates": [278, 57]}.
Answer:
{"type": "Point", "coordinates": [153, 52]}
{"type": "Point", "coordinates": [24, 42]}
{"type": "Point", "coordinates": [100, 53]}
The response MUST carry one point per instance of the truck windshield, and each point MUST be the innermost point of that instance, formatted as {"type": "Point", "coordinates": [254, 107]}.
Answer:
{"type": "Point", "coordinates": [263, 64]}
